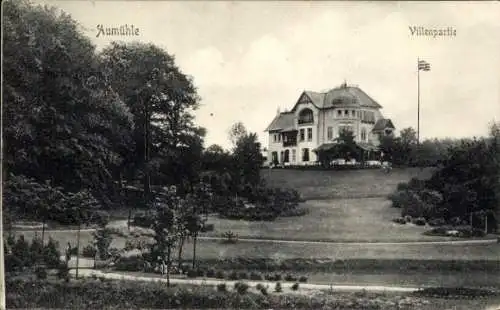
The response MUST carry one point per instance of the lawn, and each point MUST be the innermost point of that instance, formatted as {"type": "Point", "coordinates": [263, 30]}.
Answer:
{"type": "Point", "coordinates": [323, 184]}
{"type": "Point", "coordinates": [343, 220]}
{"type": "Point", "coordinates": [209, 249]}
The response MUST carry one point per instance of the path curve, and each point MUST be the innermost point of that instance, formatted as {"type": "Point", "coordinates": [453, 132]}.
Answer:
{"type": "Point", "coordinates": [258, 240]}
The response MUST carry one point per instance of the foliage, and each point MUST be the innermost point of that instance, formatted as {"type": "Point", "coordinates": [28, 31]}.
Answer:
{"type": "Point", "coordinates": [102, 240]}
{"type": "Point", "coordinates": [63, 121]}
{"type": "Point", "coordinates": [278, 288]}
{"type": "Point", "coordinates": [295, 287]}
{"type": "Point", "coordinates": [241, 287]}
{"type": "Point", "coordinates": [21, 254]}
{"type": "Point", "coordinates": [221, 287]}
{"type": "Point", "coordinates": [465, 189]}
{"type": "Point", "coordinates": [89, 251]}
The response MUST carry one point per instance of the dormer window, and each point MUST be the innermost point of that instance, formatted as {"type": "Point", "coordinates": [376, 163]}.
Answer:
{"type": "Point", "coordinates": [306, 116]}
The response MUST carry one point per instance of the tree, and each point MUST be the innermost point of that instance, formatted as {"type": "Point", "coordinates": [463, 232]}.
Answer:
{"type": "Point", "coordinates": [161, 99]}
{"type": "Point", "coordinates": [62, 120]}
{"type": "Point", "coordinates": [247, 161]}
{"type": "Point", "coordinates": [236, 132]}
{"type": "Point", "coordinates": [346, 145]}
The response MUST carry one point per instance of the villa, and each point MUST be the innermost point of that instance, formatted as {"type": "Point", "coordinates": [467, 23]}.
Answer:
{"type": "Point", "coordinates": [316, 120]}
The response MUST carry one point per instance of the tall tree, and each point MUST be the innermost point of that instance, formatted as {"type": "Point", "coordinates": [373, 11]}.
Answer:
{"type": "Point", "coordinates": [62, 120]}
{"type": "Point", "coordinates": [161, 99]}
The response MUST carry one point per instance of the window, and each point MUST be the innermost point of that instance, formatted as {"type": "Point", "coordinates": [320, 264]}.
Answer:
{"type": "Point", "coordinates": [305, 154]}
{"type": "Point", "coordinates": [353, 113]}
{"type": "Point", "coordinates": [279, 137]}
{"type": "Point", "coordinates": [363, 134]}
{"type": "Point", "coordinates": [343, 128]}
{"type": "Point", "coordinates": [339, 113]}
{"type": "Point", "coordinates": [294, 155]}
{"type": "Point", "coordinates": [275, 138]}
{"type": "Point", "coordinates": [309, 134]}
{"type": "Point", "coordinates": [287, 156]}
{"type": "Point", "coordinates": [329, 133]}
{"type": "Point", "coordinates": [274, 156]}
{"type": "Point", "coordinates": [306, 116]}
{"type": "Point", "coordinates": [281, 156]}
{"type": "Point", "coordinates": [346, 113]}
{"type": "Point", "coordinates": [302, 135]}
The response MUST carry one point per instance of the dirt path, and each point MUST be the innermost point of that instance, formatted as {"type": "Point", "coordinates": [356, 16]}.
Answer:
{"type": "Point", "coordinates": [285, 285]}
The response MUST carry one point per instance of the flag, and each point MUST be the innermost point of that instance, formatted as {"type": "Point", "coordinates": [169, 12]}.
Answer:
{"type": "Point", "coordinates": [424, 65]}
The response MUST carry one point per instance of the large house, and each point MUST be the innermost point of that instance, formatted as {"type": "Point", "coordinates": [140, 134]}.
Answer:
{"type": "Point", "coordinates": [314, 123]}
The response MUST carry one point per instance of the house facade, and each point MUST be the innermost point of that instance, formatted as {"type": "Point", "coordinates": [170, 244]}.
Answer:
{"type": "Point", "coordinates": [316, 121]}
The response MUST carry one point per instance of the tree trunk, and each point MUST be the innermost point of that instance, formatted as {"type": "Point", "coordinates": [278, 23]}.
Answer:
{"type": "Point", "coordinates": [129, 218]}
{"type": "Point", "coordinates": [43, 231]}
{"type": "Point", "coordinates": [168, 266]}
{"type": "Point", "coordinates": [179, 257]}
{"type": "Point", "coordinates": [194, 249]}
{"type": "Point", "coordinates": [77, 250]}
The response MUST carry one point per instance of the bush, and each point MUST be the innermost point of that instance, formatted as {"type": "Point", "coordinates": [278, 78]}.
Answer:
{"type": "Point", "coordinates": [233, 275]}
{"type": "Point", "coordinates": [290, 278]}
{"type": "Point", "coordinates": [278, 288]}
{"type": "Point", "coordinates": [262, 289]}
{"type": "Point", "coordinates": [89, 251]}
{"type": "Point", "coordinates": [221, 287]}
{"type": "Point", "coordinates": [220, 274]}
{"type": "Point", "coordinates": [399, 220]}
{"type": "Point", "coordinates": [419, 221]}
{"type": "Point", "coordinates": [243, 275]}
{"type": "Point", "coordinates": [241, 287]}
{"type": "Point", "coordinates": [200, 272]}
{"type": "Point", "coordinates": [207, 228]}
{"type": "Point", "coordinates": [256, 276]}
{"type": "Point", "coordinates": [408, 219]}
{"type": "Point", "coordinates": [51, 254]}
{"type": "Point", "coordinates": [210, 273]}
{"type": "Point", "coordinates": [436, 222]}
{"type": "Point", "coordinates": [132, 263]}
{"type": "Point", "coordinates": [303, 279]}
{"type": "Point", "coordinates": [295, 286]}
{"type": "Point", "coordinates": [41, 273]}
{"type": "Point", "coordinates": [192, 273]}
{"type": "Point", "coordinates": [63, 272]}
{"type": "Point", "coordinates": [229, 237]}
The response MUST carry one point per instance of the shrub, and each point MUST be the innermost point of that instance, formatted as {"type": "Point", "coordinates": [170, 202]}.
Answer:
{"type": "Point", "coordinates": [277, 288]}
{"type": "Point", "coordinates": [210, 273]}
{"type": "Point", "coordinates": [295, 286]}
{"type": "Point", "coordinates": [303, 279]}
{"type": "Point", "coordinates": [207, 228]}
{"type": "Point", "coordinates": [419, 221]}
{"type": "Point", "coordinates": [63, 272]}
{"type": "Point", "coordinates": [89, 251]}
{"type": "Point", "coordinates": [290, 278]}
{"type": "Point", "coordinates": [221, 287]}
{"type": "Point", "coordinates": [243, 275]}
{"type": "Point", "coordinates": [230, 237]}
{"type": "Point", "coordinates": [408, 219]}
{"type": "Point", "coordinates": [131, 263]}
{"type": "Point", "coordinates": [436, 222]}
{"type": "Point", "coordinates": [255, 276]}
{"type": "Point", "coordinates": [41, 273]}
{"type": "Point", "coordinates": [399, 220]}
{"type": "Point", "coordinates": [233, 275]}
{"type": "Point", "coordinates": [262, 289]}
{"type": "Point", "coordinates": [51, 254]}
{"type": "Point", "coordinates": [192, 273]}
{"type": "Point", "coordinates": [241, 287]}
{"type": "Point", "coordinates": [220, 274]}
{"type": "Point", "coordinates": [200, 272]}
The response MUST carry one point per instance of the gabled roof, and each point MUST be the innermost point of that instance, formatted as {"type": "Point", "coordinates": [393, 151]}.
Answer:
{"type": "Point", "coordinates": [339, 96]}
{"type": "Point", "coordinates": [382, 124]}
{"type": "Point", "coordinates": [282, 122]}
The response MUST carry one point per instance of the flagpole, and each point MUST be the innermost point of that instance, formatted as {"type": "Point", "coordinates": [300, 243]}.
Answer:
{"type": "Point", "coordinates": [418, 101]}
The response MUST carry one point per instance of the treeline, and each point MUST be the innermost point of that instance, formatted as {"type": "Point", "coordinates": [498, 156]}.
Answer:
{"type": "Point", "coordinates": [403, 150]}
{"type": "Point", "coordinates": [464, 190]}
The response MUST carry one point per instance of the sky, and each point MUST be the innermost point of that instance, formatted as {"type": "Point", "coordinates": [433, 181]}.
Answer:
{"type": "Point", "coordinates": [249, 59]}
